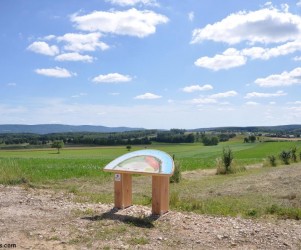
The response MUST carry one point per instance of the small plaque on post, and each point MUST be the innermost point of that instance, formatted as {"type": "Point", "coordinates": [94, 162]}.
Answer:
{"type": "Point", "coordinates": [117, 177]}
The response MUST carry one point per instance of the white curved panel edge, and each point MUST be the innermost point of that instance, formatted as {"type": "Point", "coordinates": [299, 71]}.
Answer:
{"type": "Point", "coordinates": [146, 161]}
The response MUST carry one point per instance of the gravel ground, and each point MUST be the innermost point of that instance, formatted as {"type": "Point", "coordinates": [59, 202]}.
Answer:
{"type": "Point", "coordinates": [43, 219]}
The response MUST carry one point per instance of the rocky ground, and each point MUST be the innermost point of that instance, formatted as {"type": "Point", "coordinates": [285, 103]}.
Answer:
{"type": "Point", "coordinates": [43, 219]}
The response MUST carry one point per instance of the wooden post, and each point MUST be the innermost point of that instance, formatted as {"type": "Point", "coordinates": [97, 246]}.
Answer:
{"type": "Point", "coordinates": [123, 190]}
{"type": "Point", "coordinates": [160, 194]}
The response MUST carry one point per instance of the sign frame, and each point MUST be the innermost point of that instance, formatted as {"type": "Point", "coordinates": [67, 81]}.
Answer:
{"type": "Point", "coordinates": [155, 157]}
{"type": "Point", "coordinates": [156, 163]}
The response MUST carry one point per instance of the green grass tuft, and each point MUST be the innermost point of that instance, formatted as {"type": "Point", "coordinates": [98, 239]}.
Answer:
{"type": "Point", "coordinates": [138, 241]}
{"type": "Point", "coordinates": [285, 212]}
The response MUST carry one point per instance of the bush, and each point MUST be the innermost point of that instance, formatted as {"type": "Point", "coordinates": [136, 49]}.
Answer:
{"type": "Point", "coordinates": [177, 175]}
{"type": "Point", "coordinates": [210, 141]}
{"type": "Point", "coordinates": [272, 160]}
{"type": "Point", "coordinates": [234, 168]}
{"type": "Point", "coordinates": [294, 154]}
{"type": "Point", "coordinates": [225, 163]}
{"type": "Point", "coordinates": [227, 159]}
{"type": "Point", "coordinates": [285, 157]}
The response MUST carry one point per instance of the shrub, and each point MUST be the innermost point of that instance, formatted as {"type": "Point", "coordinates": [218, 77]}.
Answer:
{"type": "Point", "coordinates": [285, 157]}
{"type": "Point", "coordinates": [224, 165]}
{"type": "Point", "coordinates": [177, 175]}
{"type": "Point", "coordinates": [252, 213]}
{"type": "Point", "coordinates": [272, 160]}
{"type": "Point", "coordinates": [227, 159]}
{"type": "Point", "coordinates": [294, 153]}
{"type": "Point", "coordinates": [210, 141]}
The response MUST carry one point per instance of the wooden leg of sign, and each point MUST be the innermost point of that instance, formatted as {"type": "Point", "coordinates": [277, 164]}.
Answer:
{"type": "Point", "coordinates": [123, 190]}
{"type": "Point", "coordinates": [160, 194]}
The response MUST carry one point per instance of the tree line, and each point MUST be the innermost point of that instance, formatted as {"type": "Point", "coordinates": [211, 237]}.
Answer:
{"type": "Point", "coordinates": [80, 138]}
{"type": "Point", "coordinates": [143, 137]}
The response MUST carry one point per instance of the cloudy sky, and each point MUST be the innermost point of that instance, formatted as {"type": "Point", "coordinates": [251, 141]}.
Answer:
{"type": "Point", "coordinates": [150, 63]}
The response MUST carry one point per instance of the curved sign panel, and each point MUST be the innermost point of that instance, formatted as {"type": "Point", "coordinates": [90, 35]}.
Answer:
{"type": "Point", "coordinates": [147, 161]}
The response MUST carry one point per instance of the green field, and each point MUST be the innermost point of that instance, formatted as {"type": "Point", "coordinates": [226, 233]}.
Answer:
{"type": "Point", "coordinates": [38, 166]}
{"type": "Point", "coordinates": [79, 171]}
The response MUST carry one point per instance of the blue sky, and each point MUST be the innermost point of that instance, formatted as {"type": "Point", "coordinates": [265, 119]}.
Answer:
{"type": "Point", "coordinates": [150, 63]}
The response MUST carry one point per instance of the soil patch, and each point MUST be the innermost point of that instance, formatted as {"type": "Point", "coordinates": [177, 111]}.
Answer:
{"type": "Point", "coordinates": [44, 219]}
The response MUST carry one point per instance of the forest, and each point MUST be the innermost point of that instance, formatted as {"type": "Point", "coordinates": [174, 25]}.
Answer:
{"type": "Point", "coordinates": [143, 137]}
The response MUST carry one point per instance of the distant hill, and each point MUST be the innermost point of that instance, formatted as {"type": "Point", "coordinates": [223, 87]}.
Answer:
{"type": "Point", "coordinates": [267, 129]}
{"type": "Point", "coordinates": [60, 128]}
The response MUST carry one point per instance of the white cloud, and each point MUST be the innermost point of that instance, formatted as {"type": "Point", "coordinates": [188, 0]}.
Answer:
{"type": "Point", "coordinates": [233, 58]}
{"type": "Point", "coordinates": [79, 95]}
{"type": "Point", "coordinates": [74, 56]}
{"type": "Point", "coordinates": [112, 78]}
{"type": "Point", "coordinates": [148, 96]}
{"type": "Point", "coordinates": [295, 103]}
{"type": "Point", "coordinates": [11, 84]}
{"type": "Point", "coordinates": [295, 109]}
{"type": "Point", "coordinates": [230, 93]}
{"type": "Point", "coordinates": [285, 7]}
{"type": "Point", "coordinates": [299, 3]}
{"type": "Point", "coordinates": [132, 22]}
{"type": "Point", "coordinates": [55, 72]}
{"type": "Point", "coordinates": [268, 4]}
{"type": "Point", "coordinates": [283, 79]}
{"type": "Point", "coordinates": [229, 59]}
{"type": "Point", "coordinates": [212, 99]}
{"type": "Point", "coordinates": [267, 53]}
{"type": "Point", "coordinates": [226, 109]}
{"type": "Point", "coordinates": [255, 53]}
{"type": "Point", "coordinates": [297, 58]}
{"type": "Point", "coordinates": [7, 110]}
{"type": "Point", "coordinates": [203, 101]}
{"type": "Point", "coordinates": [134, 2]}
{"type": "Point", "coordinates": [43, 48]}
{"type": "Point", "coordinates": [268, 25]}
{"type": "Point", "coordinates": [191, 16]}
{"type": "Point", "coordinates": [252, 103]}
{"type": "Point", "coordinates": [194, 88]}
{"type": "Point", "coordinates": [82, 42]}
{"type": "Point", "coordinates": [264, 95]}
{"type": "Point", "coordinates": [49, 37]}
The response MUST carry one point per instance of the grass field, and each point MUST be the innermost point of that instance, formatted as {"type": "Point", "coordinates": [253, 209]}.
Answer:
{"type": "Point", "coordinates": [79, 171]}
{"type": "Point", "coordinates": [38, 166]}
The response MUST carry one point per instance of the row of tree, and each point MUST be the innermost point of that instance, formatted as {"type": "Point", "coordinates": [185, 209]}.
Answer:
{"type": "Point", "coordinates": [80, 138]}
{"type": "Point", "coordinates": [250, 138]}
{"type": "Point", "coordinates": [143, 137]}
{"type": "Point", "coordinates": [171, 137]}
{"type": "Point", "coordinates": [214, 139]}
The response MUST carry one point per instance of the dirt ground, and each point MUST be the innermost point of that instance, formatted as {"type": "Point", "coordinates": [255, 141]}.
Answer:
{"type": "Point", "coordinates": [44, 219]}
